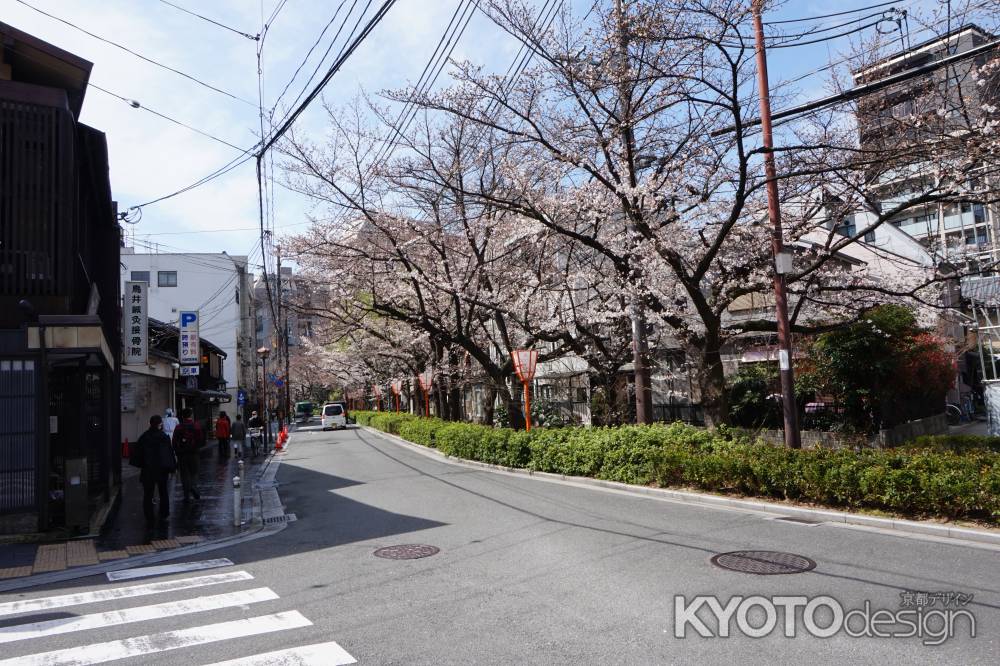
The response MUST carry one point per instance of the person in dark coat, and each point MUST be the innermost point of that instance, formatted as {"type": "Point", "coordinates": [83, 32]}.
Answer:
{"type": "Point", "coordinates": [154, 455]}
{"type": "Point", "coordinates": [188, 440]}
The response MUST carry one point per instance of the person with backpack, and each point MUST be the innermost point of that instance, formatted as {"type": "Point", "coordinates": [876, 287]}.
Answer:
{"type": "Point", "coordinates": [188, 440]}
{"type": "Point", "coordinates": [169, 423]}
{"type": "Point", "coordinates": [154, 455]}
{"type": "Point", "coordinates": [222, 432]}
{"type": "Point", "coordinates": [238, 432]}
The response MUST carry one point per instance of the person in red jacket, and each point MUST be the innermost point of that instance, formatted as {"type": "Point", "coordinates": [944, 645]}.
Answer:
{"type": "Point", "coordinates": [222, 432]}
{"type": "Point", "coordinates": [188, 440]}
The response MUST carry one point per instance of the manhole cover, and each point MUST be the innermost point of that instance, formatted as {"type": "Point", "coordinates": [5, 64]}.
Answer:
{"type": "Point", "coordinates": [763, 562]}
{"type": "Point", "coordinates": [410, 551]}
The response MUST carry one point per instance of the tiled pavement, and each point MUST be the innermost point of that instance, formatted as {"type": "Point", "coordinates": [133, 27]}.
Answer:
{"type": "Point", "coordinates": [127, 532]}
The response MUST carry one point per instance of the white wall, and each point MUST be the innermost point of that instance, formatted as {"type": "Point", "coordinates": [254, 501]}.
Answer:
{"type": "Point", "coordinates": [205, 282]}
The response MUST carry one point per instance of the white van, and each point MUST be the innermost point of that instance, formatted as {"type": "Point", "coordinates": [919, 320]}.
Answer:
{"type": "Point", "coordinates": [333, 416]}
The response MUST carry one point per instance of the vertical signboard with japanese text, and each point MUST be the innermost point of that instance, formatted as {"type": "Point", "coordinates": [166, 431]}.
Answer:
{"type": "Point", "coordinates": [135, 328]}
{"type": "Point", "coordinates": [189, 352]}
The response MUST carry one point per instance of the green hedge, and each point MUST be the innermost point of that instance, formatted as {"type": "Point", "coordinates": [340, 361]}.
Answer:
{"type": "Point", "coordinates": [943, 477]}
{"type": "Point", "coordinates": [958, 443]}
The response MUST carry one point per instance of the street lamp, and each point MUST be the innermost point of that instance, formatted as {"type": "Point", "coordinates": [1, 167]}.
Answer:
{"type": "Point", "coordinates": [377, 390]}
{"type": "Point", "coordinates": [397, 386]}
{"type": "Point", "coordinates": [426, 380]}
{"type": "Point", "coordinates": [524, 366]}
{"type": "Point", "coordinates": [263, 352]}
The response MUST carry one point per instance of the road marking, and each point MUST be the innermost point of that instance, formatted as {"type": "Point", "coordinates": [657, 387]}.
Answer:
{"type": "Point", "coordinates": [20, 632]}
{"type": "Point", "coordinates": [321, 654]}
{"type": "Point", "coordinates": [64, 600]}
{"type": "Point", "coordinates": [97, 653]}
{"type": "Point", "coordinates": [164, 569]}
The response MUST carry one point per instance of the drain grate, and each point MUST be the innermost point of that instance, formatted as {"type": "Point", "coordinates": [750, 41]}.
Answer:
{"type": "Point", "coordinates": [763, 562]}
{"type": "Point", "coordinates": [410, 551]}
{"type": "Point", "coordinates": [798, 521]}
{"type": "Point", "coordinates": [284, 518]}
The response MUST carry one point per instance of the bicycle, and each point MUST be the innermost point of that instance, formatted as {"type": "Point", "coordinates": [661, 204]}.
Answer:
{"type": "Point", "coordinates": [256, 441]}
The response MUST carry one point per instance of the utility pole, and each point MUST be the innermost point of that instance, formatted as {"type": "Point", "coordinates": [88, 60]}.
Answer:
{"type": "Point", "coordinates": [781, 263]}
{"type": "Point", "coordinates": [636, 312]}
{"type": "Point", "coordinates": [278, 334]}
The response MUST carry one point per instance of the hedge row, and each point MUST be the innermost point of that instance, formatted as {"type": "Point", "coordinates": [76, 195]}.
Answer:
{"type": "Point", "coordinates": [942, 479]}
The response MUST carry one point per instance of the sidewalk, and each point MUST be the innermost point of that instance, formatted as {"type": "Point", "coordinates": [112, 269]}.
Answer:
{"type": "Point", "coordinates": [126, 532]}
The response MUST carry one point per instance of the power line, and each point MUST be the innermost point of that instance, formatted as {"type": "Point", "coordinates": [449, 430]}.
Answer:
{"type": "Point", "coordinates": [309, 53]}
{"type": "Point", "coordinates": [135, 104]}
{"type": "Point", "coordinates": [329, 48]}
{"type": "Point", "coordinates": [375, 20]}
{"type": "Point", "coordinates": [205, 18]}
{"type": "Point", "coordinates": [874, 86]}
{"type": "Point", "coordinates": [221, 171]}
{"type": "Point", "coordinates": [843, 13]}
{"type": "Point", "coordinates": [137, 55]}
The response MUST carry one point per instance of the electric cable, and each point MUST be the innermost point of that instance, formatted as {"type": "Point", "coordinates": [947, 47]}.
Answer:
{"type": "Point", "coordinates": [843, 13]}
{"type": "Point", "coordinates": [137, 55]}
{"type": "Point", "coordinates": [375, 20]}
{"type": "Point", "coordinates": [205, 18]}
{"type": "Point", "coordinates": [135, 104]}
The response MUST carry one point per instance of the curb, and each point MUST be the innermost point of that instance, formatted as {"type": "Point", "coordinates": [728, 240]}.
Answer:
{"type": "Point", "coordinates": [899, 526]}
{"type": "Point", "coordinates": [259, 531]}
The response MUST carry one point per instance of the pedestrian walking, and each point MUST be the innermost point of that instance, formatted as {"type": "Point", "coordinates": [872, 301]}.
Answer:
{"type": "Point", "coordinates": [222, 432]}
{"type": "Point", "coordinates": [154, 456]}
{"type": "Point", "coordinates": [238, 433]}
{"type": "Point", "coordinates": [169, 423]}
{"type": "Point", "coordinates": [188, 440]}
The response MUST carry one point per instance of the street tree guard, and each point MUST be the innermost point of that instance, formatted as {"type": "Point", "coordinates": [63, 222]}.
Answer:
{"type": "Point", "coordinates": [525, 361]}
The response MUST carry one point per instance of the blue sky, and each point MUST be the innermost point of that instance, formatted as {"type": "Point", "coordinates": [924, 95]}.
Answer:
{"type": "Point", "coordinates": [150, 157]}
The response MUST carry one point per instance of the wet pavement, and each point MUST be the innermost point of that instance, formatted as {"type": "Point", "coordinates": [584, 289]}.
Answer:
{"type": "Point", "coordinates": [126, 531]}
{"type": "Point", "coordinates": [210, 517]}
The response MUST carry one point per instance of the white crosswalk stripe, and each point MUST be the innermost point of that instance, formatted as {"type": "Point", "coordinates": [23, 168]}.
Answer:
{"type": "Point", "coordinates": [22, 632]}
{"type": "Point", "coordinates": [32, 635]}
{"type": "Point", "coordinates": [65, 600]}
{"type": "Point", "coordinates": [98, 653]}
{"type": "Point", "coordinates": [320, 654]}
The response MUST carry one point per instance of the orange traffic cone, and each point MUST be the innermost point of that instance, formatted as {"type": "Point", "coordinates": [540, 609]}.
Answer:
{"type": "Point", "coordinates": [125, 449]}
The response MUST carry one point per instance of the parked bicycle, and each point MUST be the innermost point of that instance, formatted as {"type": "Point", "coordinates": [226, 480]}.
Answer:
{"type": "Point", "coordinates": [256, 441]}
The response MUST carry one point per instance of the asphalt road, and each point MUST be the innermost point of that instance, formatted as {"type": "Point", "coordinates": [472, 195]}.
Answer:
{"type": "Point", "coordinates": [528, 572]}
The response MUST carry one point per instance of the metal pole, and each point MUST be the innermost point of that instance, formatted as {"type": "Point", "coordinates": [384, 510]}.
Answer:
{"type": "Point", "coordinates": [427, 403]}
{"type": "Point", "coordinates": [792, 438]}
{"type": "Point", "coordinates": [267, 415]}
{"type": "Point", "coordinates": [527, 407]}
{"type": "Point", "coordinates": [237, 502]}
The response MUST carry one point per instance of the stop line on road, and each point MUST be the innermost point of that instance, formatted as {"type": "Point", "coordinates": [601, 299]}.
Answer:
{"type": "Point", "coordinates": [326, 654]}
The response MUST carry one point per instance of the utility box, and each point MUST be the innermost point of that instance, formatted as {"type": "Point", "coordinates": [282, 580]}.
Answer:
{"type": "Point", "coordinates": [75, 494]}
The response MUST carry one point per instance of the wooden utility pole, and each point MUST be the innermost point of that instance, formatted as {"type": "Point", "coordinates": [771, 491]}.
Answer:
{"type": "Point", "coordinates": [791, 418]}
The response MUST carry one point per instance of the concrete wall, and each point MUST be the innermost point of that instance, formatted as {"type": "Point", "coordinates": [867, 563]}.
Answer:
{"type": "Point", "coordinates": [991, 395]}
{"type": "Point", "coordinates": [884, 439]}
{"type": "Point", "coordinates": [207, 283]}
{"type": "Point", "coordinates": [142, 396]}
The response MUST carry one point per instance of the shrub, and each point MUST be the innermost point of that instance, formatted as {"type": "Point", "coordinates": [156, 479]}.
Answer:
{"type": "Point", "coordinates": [958, 443]}
{"type": "Point", "coordinates": [948, 476]}
{"type": "Point", "coordinates": [421, 430]}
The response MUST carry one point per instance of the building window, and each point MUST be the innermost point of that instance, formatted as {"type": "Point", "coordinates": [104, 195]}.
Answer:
{"type": "Point", "coordinates": [978, 213]}
{"type": "Point", "coordinates": [166, 278]}
{"type": "Point", "coordinates": [140, 276]}
{"type": "Point", "coordinates": [870, 236]}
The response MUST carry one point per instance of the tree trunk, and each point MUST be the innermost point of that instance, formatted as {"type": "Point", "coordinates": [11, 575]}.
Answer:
{"type": "Point", "coordinates": [489, 403]}
{"type": "Point", "coordinates": [513, 401]}
{"type": "Point", "coordinates": [712, 382]}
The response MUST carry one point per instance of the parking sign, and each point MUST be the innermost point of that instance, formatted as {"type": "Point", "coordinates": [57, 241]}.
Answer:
{"type": "Point", "coordinates": [188, 345]}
